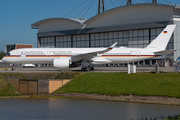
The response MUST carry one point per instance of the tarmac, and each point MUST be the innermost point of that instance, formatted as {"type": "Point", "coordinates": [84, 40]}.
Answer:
{"type": "Point", "coordinates": [96, 69]}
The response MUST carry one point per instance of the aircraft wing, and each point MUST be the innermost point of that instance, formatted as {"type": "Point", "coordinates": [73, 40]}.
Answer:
{"type": "Point", "coordinates": [90, 55]}
{"type": "Point", "coordinates": [164, 52]}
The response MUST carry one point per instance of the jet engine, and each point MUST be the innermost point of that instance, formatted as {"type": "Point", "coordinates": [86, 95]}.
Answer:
{"type": "Point", "coordinates": [61, 63]}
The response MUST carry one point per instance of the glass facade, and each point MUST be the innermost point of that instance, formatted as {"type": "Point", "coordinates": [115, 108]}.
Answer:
{"type": "Point", "coordinates": [80, 41]}
{"type": "Point", "coordinates": [131, 38]}
{"type": "Point", "coordinates": [9, 48]}
{"type": "Point", "coordinates": [47, 42]}
{"type": "Point", "coordinates": [63, 41]}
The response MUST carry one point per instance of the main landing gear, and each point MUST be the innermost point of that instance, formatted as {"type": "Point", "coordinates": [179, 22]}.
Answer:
{"type": "Point", "coordinates": [86, 66]}
{"type": "Point", "coordinates": [87, 69]}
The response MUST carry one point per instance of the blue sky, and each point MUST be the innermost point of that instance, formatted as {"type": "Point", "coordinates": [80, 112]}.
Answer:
{"type": "Point", "coordinates": [16, 16]}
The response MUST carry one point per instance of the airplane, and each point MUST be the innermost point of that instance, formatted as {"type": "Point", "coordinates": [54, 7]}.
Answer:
{"type": "Point", "coordinates": [73, 57]}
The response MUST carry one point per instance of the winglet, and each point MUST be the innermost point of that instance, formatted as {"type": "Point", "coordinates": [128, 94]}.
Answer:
{"type": "Point", "coordinates": [112, 46]}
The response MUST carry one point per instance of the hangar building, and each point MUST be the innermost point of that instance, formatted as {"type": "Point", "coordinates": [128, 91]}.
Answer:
{"type": "Point", "coordinates": [17, 46]}
{"type": "Point", "coordinates": [133, 25]}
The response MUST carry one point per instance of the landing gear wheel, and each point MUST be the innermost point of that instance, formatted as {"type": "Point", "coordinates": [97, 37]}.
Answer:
{"type": "Point", "coordinates": [92, 68]}
{"type": "Point", "coordinates": [88, 69]}
{"type": "Point", "coordinates": [13, 69]}
{"type": "Point", "coordinates": [83, 69]}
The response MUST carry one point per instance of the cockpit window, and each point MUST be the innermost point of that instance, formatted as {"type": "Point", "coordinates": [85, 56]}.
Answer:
{"type": "Point", "coordinates": [7, 54]}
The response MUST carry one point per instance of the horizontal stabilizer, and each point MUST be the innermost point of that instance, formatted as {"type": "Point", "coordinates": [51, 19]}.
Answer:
{"type": "Point", "coordinates": [164, 52]}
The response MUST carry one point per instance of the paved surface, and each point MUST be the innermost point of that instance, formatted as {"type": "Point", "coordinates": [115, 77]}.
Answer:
{"type": "Point", "coordinates": [96, 69]}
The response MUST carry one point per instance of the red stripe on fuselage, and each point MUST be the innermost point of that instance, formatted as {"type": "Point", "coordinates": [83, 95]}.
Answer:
{"type": "Point", "coordinates": [130, 55]}
{"type": "Point", "coordinates": [70, 56]}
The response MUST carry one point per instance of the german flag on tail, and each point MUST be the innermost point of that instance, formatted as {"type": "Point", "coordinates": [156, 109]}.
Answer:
{"type": "Point", "coordinates": [165, 31]}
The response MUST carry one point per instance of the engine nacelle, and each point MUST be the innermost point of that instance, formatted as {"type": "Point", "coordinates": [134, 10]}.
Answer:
{"type": "Point", "coordinates": [61, 63]}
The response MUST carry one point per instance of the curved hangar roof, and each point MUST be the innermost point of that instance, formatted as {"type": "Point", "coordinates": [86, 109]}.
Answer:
{"type": "Point", "coordinates": [57, 24]}
{"type": "Point", "coordinates": [124, 15]}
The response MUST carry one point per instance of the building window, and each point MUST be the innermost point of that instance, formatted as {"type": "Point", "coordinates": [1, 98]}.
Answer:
{"type": "Point", "coordinates": [47, 42]}
{"type": "Point", "coordinates": [80, 41]}
{"type": "Point", "coordinates": [63, 41]}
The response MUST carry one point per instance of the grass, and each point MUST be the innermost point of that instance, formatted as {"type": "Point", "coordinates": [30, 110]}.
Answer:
{"type": "Point", "coordinates": [6, 89]}
{"type": "Point", "coordinates": [176, 117]}
{"type": "Point", "coordinates": [27, 75]}
{"type": "Point", "coordinates": [144, 84]}
{"type": "Point", "coordinates": [39, 76]}
{"type": "Point", "coordinates": [69, 75]}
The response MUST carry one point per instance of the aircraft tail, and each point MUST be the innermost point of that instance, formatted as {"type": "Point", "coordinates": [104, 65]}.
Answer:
{"type": "Point", "coordinates": [162, 39]}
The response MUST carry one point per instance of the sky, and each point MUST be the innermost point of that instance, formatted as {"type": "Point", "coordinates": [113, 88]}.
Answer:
{"type": "Point", "coordinates": [17, 16]}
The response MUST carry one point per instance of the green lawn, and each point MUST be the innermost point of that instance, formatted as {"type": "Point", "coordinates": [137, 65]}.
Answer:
{"type": "Point", "coordinates": [145, 84]}
{"type": "Point", "coordinates": [6, 89]}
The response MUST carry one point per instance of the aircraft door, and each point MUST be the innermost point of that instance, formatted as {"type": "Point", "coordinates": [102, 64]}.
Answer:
{"type": "Point", "coordinates": [48, 53]}
{"type": "Point", "coordinates": [18, 54]}
{"type": "Point", "coordinates": [138, 54]}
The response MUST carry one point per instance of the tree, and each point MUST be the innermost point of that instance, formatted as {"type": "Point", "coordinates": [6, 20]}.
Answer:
{"type": "Point", "coordinates": [2, 54]}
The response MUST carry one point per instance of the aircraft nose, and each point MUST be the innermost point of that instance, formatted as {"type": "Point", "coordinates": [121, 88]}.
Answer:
{"type": "Point", "coordinates": [3, 59]}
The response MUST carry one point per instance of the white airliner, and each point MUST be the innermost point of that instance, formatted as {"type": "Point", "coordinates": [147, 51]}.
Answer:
{"type": "Point", "coordinates": [72, 57]}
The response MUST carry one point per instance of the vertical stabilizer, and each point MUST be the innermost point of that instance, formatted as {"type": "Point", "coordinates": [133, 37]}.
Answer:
{"type": "Point", "coordinates": [162, 39]}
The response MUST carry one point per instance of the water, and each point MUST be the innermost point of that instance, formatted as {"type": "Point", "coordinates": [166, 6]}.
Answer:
{"type": "Point", "coordinates": [66, 109]}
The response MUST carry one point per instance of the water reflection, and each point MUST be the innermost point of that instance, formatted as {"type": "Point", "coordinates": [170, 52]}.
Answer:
{"type": "Point", "coordinates": [65, 109]}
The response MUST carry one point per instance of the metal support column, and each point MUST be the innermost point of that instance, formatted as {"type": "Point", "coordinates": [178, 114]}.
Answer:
{"type": "Point", "coordinates": [149, 36]}
{"type": "Point", "coordinates": [55, 42]}
{"type": "Point", "coordinates": [89, 40]}
{"type": "Point", "coordinates": [143, 62]}
{"type": "Point", "coordinates": [71, 41]}
{"type": "Point", "coordinates": [101, 6]}
{"type": "Point", "coordinates": [129, 2]}
{"type": "Point", "coordinates": [39, 42]}
{"type": "Point", "coordinates": [129, 68]}
{"type": "Point", "coordinates": [154, 1]}
{"type": "Point", "coordinates": [150, 62]}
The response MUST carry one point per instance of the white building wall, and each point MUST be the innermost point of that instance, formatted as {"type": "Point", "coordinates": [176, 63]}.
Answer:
{"type": "Point", "coordinates": [177, 38]}
{"type": "Point", "coordinates": [58, 24]}
{"type": "Point", "coordinates": [134, 14]}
